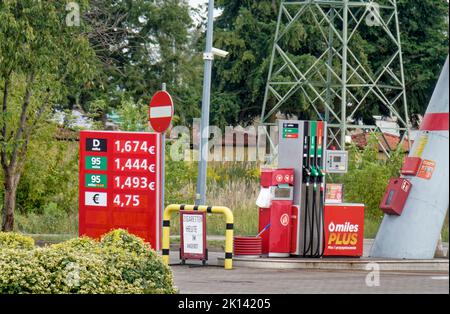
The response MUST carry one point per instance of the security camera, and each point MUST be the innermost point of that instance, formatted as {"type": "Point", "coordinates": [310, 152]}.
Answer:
{"type": "Point", "coordinates": [220, 53]}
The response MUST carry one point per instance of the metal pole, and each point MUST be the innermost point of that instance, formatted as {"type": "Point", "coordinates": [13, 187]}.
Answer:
{"type": "Point", "coordinates": [330, 65]}
{"type": "Point", "coordinates": [163, 163]}
{"type": "Point", "coordinates": [204, 126]}
{"type": "Point", "coordinates": [344, 75]}
{"type": "Point", "coordinates": [402, 73]}
{"type": "Point", "coordinates": [272, 58]}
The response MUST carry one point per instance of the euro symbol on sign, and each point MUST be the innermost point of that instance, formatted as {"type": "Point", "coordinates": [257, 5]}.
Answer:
{"type": "Point", "coordinates": [95, 198]}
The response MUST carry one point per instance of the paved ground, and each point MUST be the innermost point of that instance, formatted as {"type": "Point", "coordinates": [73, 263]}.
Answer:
{"type": "Point", "coordinates": [257, 281]}
{"type": "Point", "coordinates": [212, 279]}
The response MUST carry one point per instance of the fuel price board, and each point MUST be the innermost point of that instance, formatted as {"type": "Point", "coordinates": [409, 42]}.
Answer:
{"type": "Point", "coordinates": [120, 184]}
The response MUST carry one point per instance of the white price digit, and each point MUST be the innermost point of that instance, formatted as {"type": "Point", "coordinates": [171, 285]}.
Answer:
{"type": "Point", "coordinates": [128, 146]}
{"type": "Point", "coordinates": [144, 147]}
{"type": "Point", "coordinates": [117, 200]}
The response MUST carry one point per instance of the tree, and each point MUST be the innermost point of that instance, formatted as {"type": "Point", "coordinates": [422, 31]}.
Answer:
{"type": "Point", "coordinates": [247, 28]}
{"type": "Point", "coordinates": [141, 44]}
{"type": "Point", "coordinates": [38, 53]}
{"type": "Point", "coordinates": [424, 25]}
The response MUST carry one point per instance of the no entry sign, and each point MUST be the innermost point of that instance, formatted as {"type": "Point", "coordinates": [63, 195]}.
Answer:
{"type": "Point", "coordinates": [161, 111]}
{"type": "Point", "coordinates": [120, 184]}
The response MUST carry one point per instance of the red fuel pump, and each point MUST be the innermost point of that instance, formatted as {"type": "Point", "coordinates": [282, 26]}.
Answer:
{"type": "Point", "coordinates": [275, 202]}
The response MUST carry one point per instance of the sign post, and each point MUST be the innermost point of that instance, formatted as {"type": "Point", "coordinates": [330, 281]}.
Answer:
{"type": "Point", "coordinates": [160, 117]}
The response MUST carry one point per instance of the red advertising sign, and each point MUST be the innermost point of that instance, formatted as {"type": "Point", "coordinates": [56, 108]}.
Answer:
{"type": "Point", "coordinates": [161, 111]}
{"type": "Point", "coordinates": [119, 184]}
{"type": "Point", "coordinates": [334, 193]}
{"type": "Point", "coordinates": [426, 169]}
{"type": "Point", "coordinates": [344, 229]}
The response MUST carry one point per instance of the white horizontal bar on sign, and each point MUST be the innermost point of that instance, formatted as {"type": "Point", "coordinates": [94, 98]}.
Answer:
{"type": "Point", "coordinates": [161, 112]}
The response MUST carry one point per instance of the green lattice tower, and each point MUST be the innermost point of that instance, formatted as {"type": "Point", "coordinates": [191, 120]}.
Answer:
{"type": "Point", "coordinates": [336, 83]}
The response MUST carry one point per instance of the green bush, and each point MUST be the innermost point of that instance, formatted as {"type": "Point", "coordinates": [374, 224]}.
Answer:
{"type": "Point", "coordinates": [368, 177]}
{"type": "Point", "coordinates": [119, 264]}
{"type": "Point", "coordinates": [15, 241]}
{"type": "Point", "coordinates": [21, 272]}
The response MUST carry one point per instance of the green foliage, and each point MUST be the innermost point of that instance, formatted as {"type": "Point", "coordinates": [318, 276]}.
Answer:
{"type": "Point", "coordinates": [39, 53]}
{"type": "Point", "coordinates": [119, 264]}
{"type": "Point", "coordinates": [123, 240]}
{"type": "Point", "coordinates": [134, 116]}
{"type": "Point", "coordinates": [49, 220]}
{"type": "Point", "coordinates": [368, 177]}
{"type": "Point", "coordinates": [50, 182]}
{"type": "Point", "coordinates": [21, 272]}
{"type": "Point", "coordinates": [180, 177]}
{"type": "Point", "coordinates": [246, 29]}
{"type": "Point", "coordinates": [424, 25]}
{"type": "Point", "coordinates": [151, 44]}
{"type": "Point", "coordinates": [15, 241]}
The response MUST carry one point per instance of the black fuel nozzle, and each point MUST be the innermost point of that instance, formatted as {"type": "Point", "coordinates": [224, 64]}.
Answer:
{"type": "Point", "coordinates": [306, 172]}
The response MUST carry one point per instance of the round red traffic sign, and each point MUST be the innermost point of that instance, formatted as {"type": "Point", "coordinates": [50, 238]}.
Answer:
{"type": "Point", "coordinates": [161, 111]}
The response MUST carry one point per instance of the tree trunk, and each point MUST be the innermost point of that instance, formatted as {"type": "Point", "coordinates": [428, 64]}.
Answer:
{"type": "Point", "coordinates": [9, 202]}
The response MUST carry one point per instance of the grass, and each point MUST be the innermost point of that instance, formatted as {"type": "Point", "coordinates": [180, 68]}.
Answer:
{"type": "Point", "coordinates": [371, 226]}
{"type": "Point", "coordinates": [60, 223]}
{"type": "Point", "coordinates": [240, 197]}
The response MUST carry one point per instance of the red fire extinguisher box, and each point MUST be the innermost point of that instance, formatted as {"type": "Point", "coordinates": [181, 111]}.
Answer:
{"type": "Point", "coordinates": [396, 196]}
{"type": "Point", "coordinates": [344, 229]}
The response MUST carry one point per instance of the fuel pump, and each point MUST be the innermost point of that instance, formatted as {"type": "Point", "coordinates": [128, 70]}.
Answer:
{"type": "Point", "coordinates": [317, 229]}
{"type": "Point", "coordinates": [301, 147]}
{"type": "Point", "coordinates": [275, 203]}
{"type": "Point", "coordinates": [315, 185]}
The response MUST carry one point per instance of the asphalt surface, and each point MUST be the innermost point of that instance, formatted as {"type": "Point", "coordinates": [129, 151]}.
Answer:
{"type": "Point", "coordinates": [213, 279]}
{"type": "Point", "coordinates": [196, 279]}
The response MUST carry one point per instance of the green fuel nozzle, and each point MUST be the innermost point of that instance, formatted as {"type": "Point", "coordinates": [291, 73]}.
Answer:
{"type": "Point", "coordinates": [315, 172]}
{"type": "Point", "coordinates": [321, 173]}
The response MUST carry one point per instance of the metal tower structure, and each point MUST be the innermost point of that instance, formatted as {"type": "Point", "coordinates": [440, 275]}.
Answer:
{"type": "Point", "coordinates": [339, 82]}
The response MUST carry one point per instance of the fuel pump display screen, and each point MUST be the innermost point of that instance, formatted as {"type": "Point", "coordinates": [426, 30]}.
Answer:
{"type": "Point", "coordinates": [337, 161]}
{"type": "Point", "coordinates": [282, 193]}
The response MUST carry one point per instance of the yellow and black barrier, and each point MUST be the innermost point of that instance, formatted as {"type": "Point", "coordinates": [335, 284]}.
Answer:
{"type": "Point", "coordinates": [226, 212]}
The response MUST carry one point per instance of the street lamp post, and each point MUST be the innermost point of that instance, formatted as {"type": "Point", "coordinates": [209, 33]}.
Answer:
{"type": "Point", "coordinates": [206, 101]}
{"type": "Point", "coordinates": [208, 56]}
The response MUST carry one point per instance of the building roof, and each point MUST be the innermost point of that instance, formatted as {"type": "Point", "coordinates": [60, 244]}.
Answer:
{"type": "Point", "coordinates": [389, 141]}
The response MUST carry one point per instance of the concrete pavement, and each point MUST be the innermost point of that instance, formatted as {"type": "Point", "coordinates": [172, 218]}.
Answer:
{"type": "Point", "coordinates": [215, 280]}
{"type": "Point", "coordinates": [193, 279]}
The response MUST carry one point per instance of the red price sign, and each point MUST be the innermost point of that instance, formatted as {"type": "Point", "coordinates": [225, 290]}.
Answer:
{"type": "Point", "coordinates": [120, 184]}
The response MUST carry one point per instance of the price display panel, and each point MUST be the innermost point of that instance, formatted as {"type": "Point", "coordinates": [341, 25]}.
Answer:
{"type": "Point", "coordinates": [120, 184]}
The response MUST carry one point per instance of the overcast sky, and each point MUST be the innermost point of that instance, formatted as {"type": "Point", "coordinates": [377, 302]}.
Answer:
{"type": "Point", "coordinates": [197, 2]}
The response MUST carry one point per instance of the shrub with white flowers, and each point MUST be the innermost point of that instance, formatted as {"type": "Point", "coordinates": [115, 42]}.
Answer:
{"type": "Point", "coordinates": [120, 263]}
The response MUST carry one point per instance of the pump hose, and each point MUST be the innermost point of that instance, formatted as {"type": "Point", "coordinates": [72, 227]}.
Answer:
{"type": "Point", "coordinates": [313, 219]}
{"type": "Point", "coordinates": [307, 222]}
{"type": "Point", "coordinates": [322, 206]}
{"type": "Point", "coordinates": [317, 252]}
{"type": "Point", "coordinates": [320, 227]}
